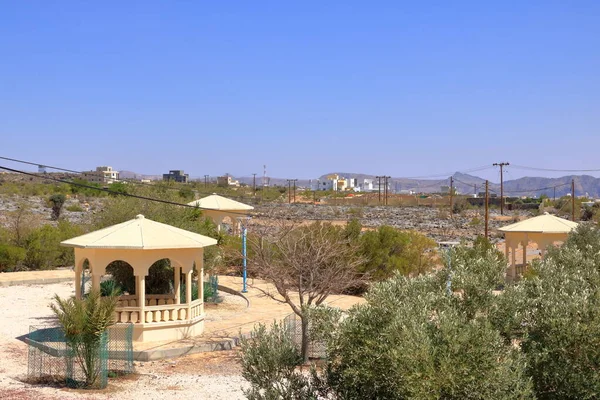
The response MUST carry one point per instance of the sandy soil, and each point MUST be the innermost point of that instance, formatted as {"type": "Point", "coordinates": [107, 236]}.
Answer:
{"type": "Point", "coordinates": [200, 376]}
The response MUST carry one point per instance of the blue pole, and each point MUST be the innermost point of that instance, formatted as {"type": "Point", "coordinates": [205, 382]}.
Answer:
{"type": "Point", "coordinates": [244, 230]}
{"type": "Point", "coordinates": [449, 281]}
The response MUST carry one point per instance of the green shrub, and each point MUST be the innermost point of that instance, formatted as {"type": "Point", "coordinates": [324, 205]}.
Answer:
{"type": "Point", "coordinates": [556, 317]}
{"type": "Point", "coordinates": [389, 250]}
{"type": "Point", "coordinates": [57, 201]}
{"type": "Point", "coordinates": [74, 208]}
{"type": "Point", "coordinates": [413, 341]}
{"type": "Point", "coordinates": [10, 257]}
{"type": "Point", "coordinates": [269, 359]}
{"type": "Point", "coordinates": [110, 288]}
{"type": "Point", "coordinates": [209, 292]}
{"type": "Point", "coordinates": [42, 248]}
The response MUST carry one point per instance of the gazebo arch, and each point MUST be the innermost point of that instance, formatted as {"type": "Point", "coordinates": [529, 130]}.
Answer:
{"type": "Point", "coordinates": [544, 230]}
{"type": "Point", "coordinates": [141, 242]}
{"type": "Point", "coordinates": [218, 207]}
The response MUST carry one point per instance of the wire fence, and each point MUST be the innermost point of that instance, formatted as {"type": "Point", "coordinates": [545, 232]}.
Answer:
{"type": "Point", "coordinates": [51, 359]}
{"type": "Point", "coordinates": [317, 349]}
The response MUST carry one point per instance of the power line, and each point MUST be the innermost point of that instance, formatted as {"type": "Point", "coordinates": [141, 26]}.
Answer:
{"type": "Point", "coordinates": [476, 169]}
{"type": "Point", "coordinates": [501, 165]}
{"type": "Point", "coordinates": [539, 189]}
{"type": "Point", "coordinates": [112, 191]}
{"type": "Point", "coordinates": [554, 169]}
{"type": "Point", "coordinates": [135, 182]}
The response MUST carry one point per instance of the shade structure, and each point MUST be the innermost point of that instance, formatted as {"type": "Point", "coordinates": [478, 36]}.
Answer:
{"type": "Point", "coordinates": [220, 203]}
{"type": "Point", "coordinates": [545, 223]}
{"type": "Point", "coordinates": [140, 233]}
{"type": "Point", "coordinates": [218, 207]}
{"type": "Point", "coordinates": [140, 243]}
{"type": "Point", "coordinates": [544, 230]}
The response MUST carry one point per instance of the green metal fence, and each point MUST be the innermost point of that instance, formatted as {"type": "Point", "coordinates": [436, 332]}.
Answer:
{"type": "Point", "coordinates": [52, 360]}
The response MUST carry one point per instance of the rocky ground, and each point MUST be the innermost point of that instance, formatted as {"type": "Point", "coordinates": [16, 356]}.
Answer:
{"type": "Point", "coordinates": [434, 222]}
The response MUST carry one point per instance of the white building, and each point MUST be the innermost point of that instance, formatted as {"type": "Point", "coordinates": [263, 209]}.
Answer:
{"type": "Point", "coordinates": [227, 180]}
{"type": "Point", "coordinates": [366, 185]}
{"type": "Point", "coordinates": [104, 174]}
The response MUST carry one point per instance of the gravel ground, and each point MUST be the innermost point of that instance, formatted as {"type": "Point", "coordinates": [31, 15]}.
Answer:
{"type": "Point", "coordinates": [200, 376]}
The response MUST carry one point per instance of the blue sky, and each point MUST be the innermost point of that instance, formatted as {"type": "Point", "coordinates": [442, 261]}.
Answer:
{"type": "Point", "coordinates": [397, 88]}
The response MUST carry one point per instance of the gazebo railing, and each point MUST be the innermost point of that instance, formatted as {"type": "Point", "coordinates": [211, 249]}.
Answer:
{"type": "Point", "coordinates": [159, 313]}
{"type": "Point", "coordinates": [131, 300]}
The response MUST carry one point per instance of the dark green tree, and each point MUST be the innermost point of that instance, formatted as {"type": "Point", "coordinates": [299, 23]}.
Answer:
{"type": "Point", "coordinates": [57, 201]}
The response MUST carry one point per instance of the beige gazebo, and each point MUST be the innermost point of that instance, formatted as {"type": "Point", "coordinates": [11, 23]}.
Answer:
{"type": "Point", "coordinates": [141, 242]}
{"type": "Point", "coordinates": [544, 230]}
{"type": "Point", "coordinates": [218, 207]}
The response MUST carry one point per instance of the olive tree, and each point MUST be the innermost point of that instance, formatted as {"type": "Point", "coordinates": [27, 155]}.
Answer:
{"type": "Point", "coordinates": [304, 265]}
{"type": "Point", "coordinates": [555, 316]}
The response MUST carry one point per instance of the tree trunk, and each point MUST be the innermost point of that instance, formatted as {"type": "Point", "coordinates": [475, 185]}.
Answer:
{"type": "Point", "coordinates": [304, 345]}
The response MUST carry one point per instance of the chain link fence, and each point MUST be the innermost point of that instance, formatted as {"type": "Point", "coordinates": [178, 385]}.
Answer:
{"type": "Point", "coordinates": [317, 349]}
{"type": "Point", "coordinates": [52, 360]}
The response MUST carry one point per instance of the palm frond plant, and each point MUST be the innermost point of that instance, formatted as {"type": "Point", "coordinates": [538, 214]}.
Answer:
{"type": "Point", "coordinates": [84, 323]}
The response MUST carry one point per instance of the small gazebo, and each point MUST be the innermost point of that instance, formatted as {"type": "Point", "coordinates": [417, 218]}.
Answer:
{"type": "Point", "coordinates": [141, 242]}
{"type": "Point", "coordinates": [218, 207]}
{"type": "Point", "coordinates": [544, 230]}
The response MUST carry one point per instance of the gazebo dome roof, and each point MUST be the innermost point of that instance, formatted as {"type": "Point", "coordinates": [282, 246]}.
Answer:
{"type": "Point", "coordinates": [545, 223]}
{"type": "Point", "coordinates": [141, 234]}
{"type": "Point", "coordinates": [220, 203]}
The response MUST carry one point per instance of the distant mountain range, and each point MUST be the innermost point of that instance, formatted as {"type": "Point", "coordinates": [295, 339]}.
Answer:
{"type": "Point", "coordinates": [464, 183]}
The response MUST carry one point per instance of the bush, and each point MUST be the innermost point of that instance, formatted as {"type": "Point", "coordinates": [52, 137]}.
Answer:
{"type": "Point", "coordinates": [556, 317]}
{"type": "Point", "coordinates": [269, 359]}
{"type": "Point", "coordinates": [389, 250]}
{"type": "Point", "coordinates": [57, 201]}
{"type": "Point", "coordinates": [110, 288]}
{"type": "Point", "coordinates": [10, 257]}
{"type": "Point", "coordinates": [459, 205]}
{"type": "Point", "coordinates": [43, 248]}
{"type": "Point", "coordinates": [74, 208]}
{"type": "Point", "coordinates": [413, 341]}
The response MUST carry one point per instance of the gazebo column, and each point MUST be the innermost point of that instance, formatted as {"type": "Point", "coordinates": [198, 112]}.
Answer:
{"type": "Point", "coordinates": [236, 225]}
{"type": "Point", "coordinates": [200, 278]}
{"type": "Point", "coordinates": [513, 256]}
{"type": "Point", "coordinates": [542, 247]}
{"type": "Point", "coordinates": [188, 292]}
{"type": "Point", "coordinates": [78, 281]}
{"type": "Point", "coordinates": [177, 279]}
{"type": "Point", "coordinates": [513, 250]}
{"type": "Point", "coordinates": [219, 221]}
{"type": "Point", "coordinates": [95, 281]}
{"type": "Point", "coordinates": [140, 289]}
{"type": "Point", "coordinates": [524, 244]}
{"type": "Point", "coordinates": [506, 249]}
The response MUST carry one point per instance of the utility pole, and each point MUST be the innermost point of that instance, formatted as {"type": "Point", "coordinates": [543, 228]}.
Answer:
{"type": "Point", "coordinates": [487, 215]}
{"type": "Point", "coordinates": [385, 178]}
{"type": "Point", "coordinates": [289, 181]}
{"type": "Point", "coordinates": [379, 186]}
{"type": "Point", "coordinates": [573, 200]}
{"type": "Point", "coordinates": [294, 180]}
{"type": "Point", "coordinates": [554, 199]}
{"type": "Point", "coordinates": [501, 165]}
{"type": "Point", "coordinates": [254, 184]}
{"type": "Point", "coordinates": [451, 196]}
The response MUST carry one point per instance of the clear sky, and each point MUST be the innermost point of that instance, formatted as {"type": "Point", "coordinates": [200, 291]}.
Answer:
{"type": "Point", "coordinates": [402, 88]}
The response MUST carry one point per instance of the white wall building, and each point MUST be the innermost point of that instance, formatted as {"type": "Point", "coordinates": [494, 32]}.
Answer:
{"type": "Point", "coordinates": [366, 185]}
{"type": "Point", "coordinates": [104, 174]}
